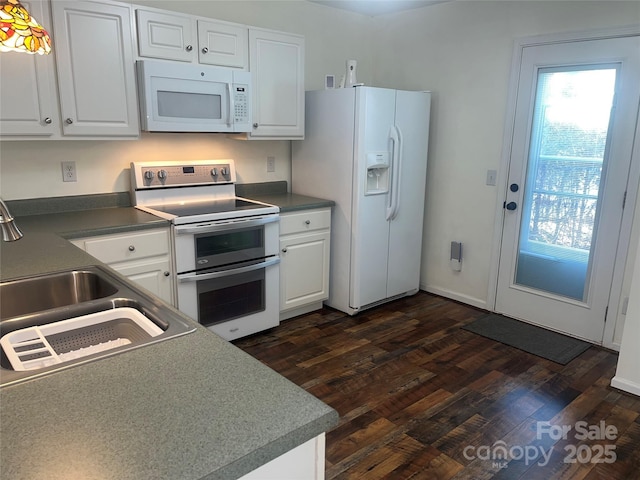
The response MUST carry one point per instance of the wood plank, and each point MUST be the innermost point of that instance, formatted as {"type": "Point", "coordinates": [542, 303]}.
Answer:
{"type": "Point", "coordinates": [414, 391]}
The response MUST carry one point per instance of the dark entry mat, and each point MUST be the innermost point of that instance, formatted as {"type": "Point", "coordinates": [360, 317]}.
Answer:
{"type": "Point", "coordinates": [530, 338]}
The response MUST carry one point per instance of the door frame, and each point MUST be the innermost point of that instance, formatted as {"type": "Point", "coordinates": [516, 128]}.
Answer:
{"type": "Point", "coordinates": [503, 172]}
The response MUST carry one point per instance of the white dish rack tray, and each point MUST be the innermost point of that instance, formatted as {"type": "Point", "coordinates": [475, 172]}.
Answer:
{"type": "Point", "coordinates": [44, 345]}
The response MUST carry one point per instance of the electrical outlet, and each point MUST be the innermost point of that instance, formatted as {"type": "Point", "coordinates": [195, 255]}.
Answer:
{"type": "Point", "coordinates": [69, 172]}
{"type": "Point", "coordinates": [271, 164]}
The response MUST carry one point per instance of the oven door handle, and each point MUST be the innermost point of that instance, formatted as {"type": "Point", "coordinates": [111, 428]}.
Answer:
{"type": "Point", "coordinates": [217, 227]}
{"type": "Point", "coordinates": [194, 277]}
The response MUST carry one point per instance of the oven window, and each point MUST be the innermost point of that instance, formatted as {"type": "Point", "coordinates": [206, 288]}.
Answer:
{"type": "Point", "coordinates": [231, 297]}
{"type": "Point", "coordinates": [229, 247]}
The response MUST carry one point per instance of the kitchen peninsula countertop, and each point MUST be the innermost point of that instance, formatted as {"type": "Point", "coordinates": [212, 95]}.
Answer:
{"type": "Point", "coordinates": [190, 407]}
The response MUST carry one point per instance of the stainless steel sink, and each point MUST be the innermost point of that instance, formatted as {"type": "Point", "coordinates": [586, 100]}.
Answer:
{"type": "Point", "coordinates": [42, 303]}
{"type": "Point", "coordinates": [35, 294]}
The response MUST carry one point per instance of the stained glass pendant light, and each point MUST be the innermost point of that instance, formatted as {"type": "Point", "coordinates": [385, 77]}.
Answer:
{"type": "Point", "coordinates": [19, 31]}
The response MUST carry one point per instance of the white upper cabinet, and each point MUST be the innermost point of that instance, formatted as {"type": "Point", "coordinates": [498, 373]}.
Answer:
{"type": "Point", "coordinates": [93, 45]}
{"type": "Point", "coordinates": [28, 103]}
{"type": "Point", "coordinates": [276, 62]}
{"type": "Point", "coordinates": [222, 43]}
{"type": "Point", "coordinates": [170, 36]}
{"type": "Point", "coordinates": [186, 38]}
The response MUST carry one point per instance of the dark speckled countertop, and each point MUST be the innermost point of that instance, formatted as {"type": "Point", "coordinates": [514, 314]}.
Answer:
{"type": "Point", "coordinates": [193, 407]}
{"type": "Point", "coordinates": [275, 193]}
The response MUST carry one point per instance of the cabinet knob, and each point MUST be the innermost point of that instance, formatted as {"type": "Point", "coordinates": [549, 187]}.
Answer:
{"type": "Point", "coordinates": [284, 250]}
{"type": "Point", "coordinates": [307, 222]}
{"type": "Point", "coordinates": [132, 248]}
{"type": "Point", "coordinates": [255, 125]}
{"type": "Point", "coordinates": [69, 121]}
{"type": "Point", "coordinates": [166, 274]}
{"type": "Point", "coordinates": [189, 48]}
{"type": "Point", "coordinates": [48, 121]}
{"type": "Point", "coordinates": [205, 49]}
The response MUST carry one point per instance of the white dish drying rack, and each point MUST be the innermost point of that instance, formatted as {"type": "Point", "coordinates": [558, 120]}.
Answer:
{"type": "Point", "coordinates": [51, 344]}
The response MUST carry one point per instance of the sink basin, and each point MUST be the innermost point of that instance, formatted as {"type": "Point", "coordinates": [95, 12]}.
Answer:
{"type": "Point", "coordinates": [28, 295]}
{"type": "Point", "coordinates": [64, 319]}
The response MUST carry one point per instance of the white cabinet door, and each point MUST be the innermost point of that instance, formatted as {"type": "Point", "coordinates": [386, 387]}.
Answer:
{"type": "Point", "coordinates": [28, 103]}
{"type": "Point", "coordinates": [304, 260]}
{"type": "Point", "coordinates": [142, 256]}
{"type": "Point", "coordinates": [304, 269]}
{"type": "Point", "coordinates": [276, 61]}
{"type": "Point", "coordinates": [96, 79]}
{"type": "Point", "coordinates": [166, 35]}
{"type": "Point", "coordinates": [223, 44]}
{"type": "Point", "coordinates": [305, 462]}
{"type": "Point", "coordinates": [154, 275]}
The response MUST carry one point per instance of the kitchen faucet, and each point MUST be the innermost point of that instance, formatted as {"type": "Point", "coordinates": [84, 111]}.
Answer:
{"type": "Point", "coordinates": [10, 231]}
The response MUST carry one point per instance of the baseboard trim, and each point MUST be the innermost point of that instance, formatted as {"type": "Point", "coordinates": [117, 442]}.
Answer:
{"type": "Point", "coordinates": [626, 385]}
{"type": "Point", "coordinates": [458, 297]}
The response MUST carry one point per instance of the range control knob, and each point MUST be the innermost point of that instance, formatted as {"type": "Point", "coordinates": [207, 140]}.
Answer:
{"type": "Point", "coordinates": [224, 171]}
{"type": "Point", "coordinates": [149, 175]}
{"type": "Point", "coordinates": [214, 172]}
{"type": "Point", "coordinates": [162, 174]}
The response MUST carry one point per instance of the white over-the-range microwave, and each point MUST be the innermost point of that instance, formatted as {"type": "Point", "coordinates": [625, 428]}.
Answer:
{"type": "Point", "coordinates": [178, 97]}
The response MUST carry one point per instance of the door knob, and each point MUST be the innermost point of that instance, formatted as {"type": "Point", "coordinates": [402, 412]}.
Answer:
{"type": "Point", "coordinates": [511, 206]}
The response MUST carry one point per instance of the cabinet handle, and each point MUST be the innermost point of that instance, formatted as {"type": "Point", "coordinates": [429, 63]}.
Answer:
{"type": "Point", "coordinates": [132, 248]}
{"type": "Point", "coordinates": [69, 121]}
{"type": "Point", "coordinates": [189, 48]}
{"type": "Point", "coordinates": [205, 49]}
{"type": "Point", "coordinates": [48, 121]}
{"type": "Point", "coordinates": [166, 274]}
{"type": "Point", "coordinates": [284, 250]}
{"type": "Point", "coordinates": [307, 222]}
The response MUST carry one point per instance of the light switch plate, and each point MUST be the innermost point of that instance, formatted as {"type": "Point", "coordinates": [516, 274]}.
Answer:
{"type": "Point", "coordinates": [492, 177]}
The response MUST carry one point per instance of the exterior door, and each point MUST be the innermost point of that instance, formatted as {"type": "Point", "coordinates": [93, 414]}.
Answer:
{"type": "Point", "coordinates": [574, 125]}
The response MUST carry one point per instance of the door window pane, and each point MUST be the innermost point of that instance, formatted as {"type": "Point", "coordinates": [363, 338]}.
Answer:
{"type": "Point", "coordinates": [567, 155]}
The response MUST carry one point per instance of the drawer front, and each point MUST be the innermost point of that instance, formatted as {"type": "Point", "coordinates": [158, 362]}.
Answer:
{"type": "Point", "coordinates": [305, 221]}
{"type": "Point", "coordinates": [120, 248]}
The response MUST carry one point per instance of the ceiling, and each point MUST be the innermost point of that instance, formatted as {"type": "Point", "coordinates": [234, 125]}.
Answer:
{"type": "Point", "coordinates": [373, 8]}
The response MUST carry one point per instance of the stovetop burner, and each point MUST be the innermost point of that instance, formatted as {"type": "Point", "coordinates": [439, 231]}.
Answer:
{"type": "Point", "coordinates": [191, 191]}
{"type": "Point", "coordinates": [188, 209]}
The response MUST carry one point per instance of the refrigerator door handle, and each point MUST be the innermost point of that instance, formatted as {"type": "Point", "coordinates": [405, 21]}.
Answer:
{"type": "Point", "coordinates": [396, 163]}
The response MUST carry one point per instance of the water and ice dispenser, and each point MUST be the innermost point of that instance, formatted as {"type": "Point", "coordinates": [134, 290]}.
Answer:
{"type": "Point", "coordinates": [377, 173]}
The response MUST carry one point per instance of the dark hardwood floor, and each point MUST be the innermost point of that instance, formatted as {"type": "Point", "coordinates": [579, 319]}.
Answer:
{"type": "Point", "coordinates": [420, 398]}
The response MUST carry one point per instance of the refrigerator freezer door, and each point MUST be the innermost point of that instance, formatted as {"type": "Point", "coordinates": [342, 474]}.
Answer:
{"type": "Point", "coordinates": [375, 112]}
{"type": "Point", "coordinates": [405, 236]}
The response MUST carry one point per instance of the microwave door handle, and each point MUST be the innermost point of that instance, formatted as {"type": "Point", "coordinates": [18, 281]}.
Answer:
{"type": "Point", "coordinates": [208, 228]}
{"type": "Point", "coordinates": [230, 105]}
{"type": "Point", "coordinates": [194, 277]}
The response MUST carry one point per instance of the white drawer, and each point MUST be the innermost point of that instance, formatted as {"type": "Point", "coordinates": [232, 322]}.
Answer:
{"type": "Point", "coordinates": [120, 248]}
{"type": "Point", "coordinates": [305, 221]}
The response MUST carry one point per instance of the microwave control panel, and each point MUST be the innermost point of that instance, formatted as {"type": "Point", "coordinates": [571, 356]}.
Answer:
{"type": "Point", "coordinates": [241, 102]}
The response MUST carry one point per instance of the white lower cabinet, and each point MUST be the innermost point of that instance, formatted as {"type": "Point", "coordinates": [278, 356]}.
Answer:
{"type": "Point", "coordinates": [304, 261]}
{"type": "Point", "coordinates": [305, 462]}
{"type": "Point", "coordinates": [142, 256]}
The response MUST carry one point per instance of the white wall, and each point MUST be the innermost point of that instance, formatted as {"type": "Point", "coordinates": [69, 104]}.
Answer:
{"type": "Point", "coordinates": [32, 169]}
{"type": "Point", "coordinates": [462, 51]}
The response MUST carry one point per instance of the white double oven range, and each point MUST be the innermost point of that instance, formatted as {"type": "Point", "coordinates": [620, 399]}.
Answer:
{"type": "Point", "coordinates": [225, 247]}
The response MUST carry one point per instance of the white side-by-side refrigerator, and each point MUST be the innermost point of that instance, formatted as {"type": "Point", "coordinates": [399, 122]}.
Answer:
{"type": "Point", "coordinates": [366, 149]}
